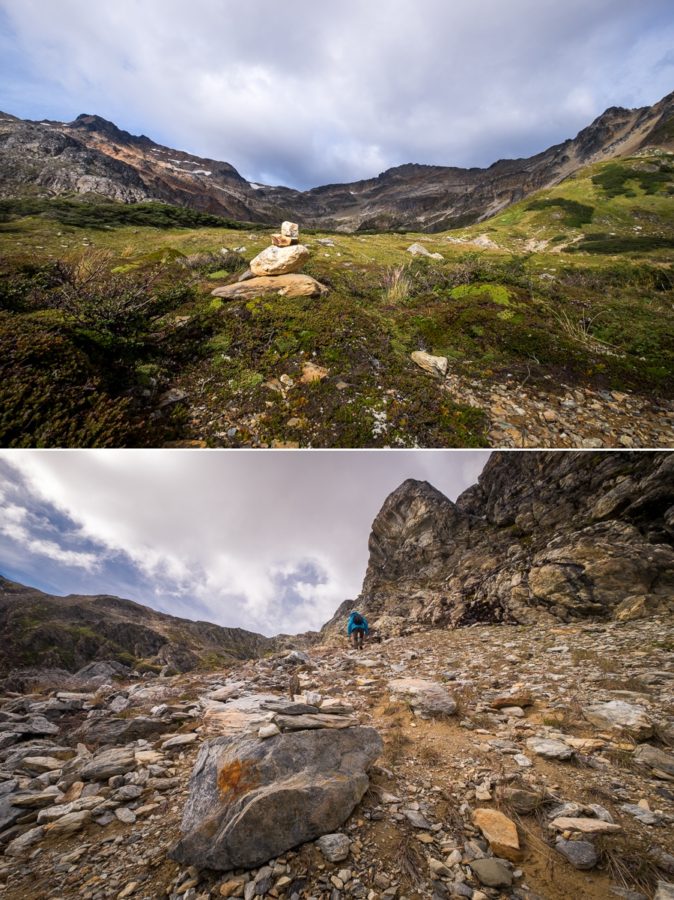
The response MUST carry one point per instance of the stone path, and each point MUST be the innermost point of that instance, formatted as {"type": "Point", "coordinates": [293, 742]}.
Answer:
{"type": "Point", "coordinates": [516, 762]}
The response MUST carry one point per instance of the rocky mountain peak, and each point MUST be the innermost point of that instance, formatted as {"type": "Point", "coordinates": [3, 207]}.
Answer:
{"type": "Point", "coordinates": [98, 125]}
{"type": "Point", "coordinates": [541, 536]}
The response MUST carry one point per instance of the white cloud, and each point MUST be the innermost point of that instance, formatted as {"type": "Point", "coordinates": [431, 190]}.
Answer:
{"type": "Point", "coordinates": [267, 541]}
{"type": "Point", "coordinates": [311, 93]}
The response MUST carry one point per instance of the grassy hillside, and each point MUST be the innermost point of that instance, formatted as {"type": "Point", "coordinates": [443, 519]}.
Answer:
{"type": "Point", "coordinates": [574, 285]}
{"type": "Point", "coordinates": [68, 632]}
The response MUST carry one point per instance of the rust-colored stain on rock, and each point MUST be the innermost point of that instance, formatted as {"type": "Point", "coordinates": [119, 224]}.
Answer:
{"type": "Point", "coordinates": [236, 778]}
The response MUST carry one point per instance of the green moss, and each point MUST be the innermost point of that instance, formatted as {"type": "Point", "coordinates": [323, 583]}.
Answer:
{"type": "Point", "coordinates": [495, 292]}
{"type": "Point", "coordinates": [219, 343]}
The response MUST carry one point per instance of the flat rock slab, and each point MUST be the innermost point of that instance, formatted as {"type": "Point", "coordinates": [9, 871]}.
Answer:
{"type": "Point", "coordinates": [283, 285]}
{"type": "Point", "coordinates": [654, 758]}
{"type": "Point", "coordinates": [585, 826]}
{"type": "Point", "coordinates": [505, 701]}
{"type": "Point", "coordinates": [108, 730]}
{"type": "Point", "coordinates": [621, 715]}
{"type": "Point", "coordinates": [287, 708]}
{"type": "Point", "coordinates": [500, 831]}
{"type": "Point", "coordinates": [106, 764]}
{"type": "Point", "coordinates": [179, 741]}
{"type": "Point", "coordinates": [426, 697]}
{"type": "Point", "coordinates": [550, 748]}
{"type": "Point", "coordinates": [300, 723]}
{"type": "Point", "coordinates": [245, 714]}
{"type": "Point", "coordinates": [253, 800]}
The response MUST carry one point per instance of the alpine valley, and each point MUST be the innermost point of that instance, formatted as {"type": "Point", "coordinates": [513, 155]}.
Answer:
{"type": "Point", "coordinates": [530, 304]}
{"type": "Point", "coordinates": [506, 732]}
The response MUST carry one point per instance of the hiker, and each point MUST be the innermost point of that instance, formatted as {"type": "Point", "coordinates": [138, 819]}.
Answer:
{"type": "Point", "coordinates": [357, 629]}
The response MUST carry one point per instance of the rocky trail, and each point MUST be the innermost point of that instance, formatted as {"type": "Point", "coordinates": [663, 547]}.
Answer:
{"type": "Point", "coordinates": [485, 762]}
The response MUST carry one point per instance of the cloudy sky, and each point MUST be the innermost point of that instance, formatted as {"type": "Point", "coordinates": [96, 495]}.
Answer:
{"type": "Point", "coordinates": [272, 542]}
{"type": "Point", "coordinates": [308, 93]}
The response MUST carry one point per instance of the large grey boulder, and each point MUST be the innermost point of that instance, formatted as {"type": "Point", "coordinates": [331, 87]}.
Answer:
{"type": "Point", "coordinates": [427, 698]}
{"type": "Point", "coordinates": [253, 800]}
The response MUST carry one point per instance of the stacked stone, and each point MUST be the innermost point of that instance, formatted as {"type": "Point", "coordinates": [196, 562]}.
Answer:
{"type": "Point", "coordinates": [285, 256]}
{"type": "Point", "coordinates": [289, 236]}
{"type": "Point", "coordinates": [275, 270]}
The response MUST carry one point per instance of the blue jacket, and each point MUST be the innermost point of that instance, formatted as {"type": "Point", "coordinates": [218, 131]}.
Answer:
{"type": "Point", "coordinates": [352, 625]}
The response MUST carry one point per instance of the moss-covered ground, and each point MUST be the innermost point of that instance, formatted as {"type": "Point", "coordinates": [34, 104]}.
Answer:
{"type": "Point", "coordinates": [575, 285]}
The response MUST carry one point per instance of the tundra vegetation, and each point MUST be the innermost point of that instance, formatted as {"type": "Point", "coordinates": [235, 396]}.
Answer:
{"type": "Point", "coordinates": [109, 335]}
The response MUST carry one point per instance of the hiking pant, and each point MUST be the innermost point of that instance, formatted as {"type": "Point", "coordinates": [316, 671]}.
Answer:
{"type": "Point", "coordinates": [357, 636]}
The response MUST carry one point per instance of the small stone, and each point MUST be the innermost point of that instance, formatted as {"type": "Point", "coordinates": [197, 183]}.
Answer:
{"type": "Point", "coordinates": [645, 816]}
{"type": "Point", "coordinates": [420, 250]}
{"type": "Point", "coordinates": [125, 815]}
{"type": "Point", "coordinates": [290, 230]}
{"type": "Point", "coordinates": [334, 847]}
{"type": "Point", "coordinates": [128, 890]}
{"type": "Point", "coordinates": [267, 731]}
{"type": "Point", "coordinates": [492, 873]}
{"type": "Point", "coordinates": [500, 831]}
{"type": "Point", "coordinates": [438, 869]}
{"type": "Point", "coordinates": [179, 741]}
{"type": "Point", "coordinates": [581, 854]}
{"type": "Point", "coordinates": [280, 240]}
{"type": "Point", "coordinates": [665, 891]}
{"type": "Point", "coordinates": [434, 365]}
{"type": "Point", "coordinates": [232, 888]}
{"type": "Point", "coordinates": [312, 372]}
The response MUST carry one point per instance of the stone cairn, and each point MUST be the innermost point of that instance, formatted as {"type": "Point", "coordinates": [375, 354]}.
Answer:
{"type": "Point", "coordinates": [275, 270]}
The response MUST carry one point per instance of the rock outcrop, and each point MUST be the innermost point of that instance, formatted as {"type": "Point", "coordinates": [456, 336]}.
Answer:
{"type": "Point", "coordinates": [93, 156]}
{"type": "Point", "coordinates": [542, 536]}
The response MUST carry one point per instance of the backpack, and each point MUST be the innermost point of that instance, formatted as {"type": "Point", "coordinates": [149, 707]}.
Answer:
{"type": "Point", "coordinates": [358, 619]}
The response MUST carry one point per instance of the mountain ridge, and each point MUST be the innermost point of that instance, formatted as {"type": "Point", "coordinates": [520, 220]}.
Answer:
{"type": "Point", "coordinates": [94, 156]}
{"type": "Point", "coordinates": [67, 632]}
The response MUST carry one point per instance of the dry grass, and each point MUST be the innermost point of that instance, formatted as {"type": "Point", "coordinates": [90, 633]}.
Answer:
{"type": "Point", "coordinates": [397, 284]}
{"type": "Point", "coordinates": [580, 330]}
{"type": "Point", "coordinates": [566, 717]}
{"type": "Point", "coordinates": [429, 755]}
{"type": "Point", "coordinates": [396, 745]}
{"type": "Point", "coordinates": [393, 708]}
{"type": "Point", "coordinates": [411, 862]}
{"type": "Point", "coordinates": [629, 866]}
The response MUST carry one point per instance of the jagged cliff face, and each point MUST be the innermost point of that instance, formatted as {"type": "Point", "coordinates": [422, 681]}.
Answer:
{"type": "Point", "coordinates": [93, 156]}
{"type": "Point", "coordinates": [68, 632]}
{"type": "Point", "coordinates": [541, 537]}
